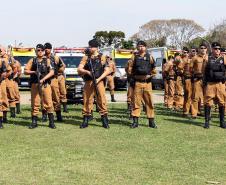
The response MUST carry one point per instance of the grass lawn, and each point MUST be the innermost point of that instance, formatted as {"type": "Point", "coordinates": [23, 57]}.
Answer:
{"type": "Point", "coordinates": [179, 152]}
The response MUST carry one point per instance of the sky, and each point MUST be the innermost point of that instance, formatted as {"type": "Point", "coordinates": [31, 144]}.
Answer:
{"type": "Point", "coordinates": [74, 22]}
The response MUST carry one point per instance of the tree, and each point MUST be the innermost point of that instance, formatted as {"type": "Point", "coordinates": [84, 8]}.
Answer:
{"type": "Point", "coordinates": [111, 38]}
{"type": "Point", "coordinates": [127, 44]}
{"type": "Point", "coordinates": [176, 32]}
{"type": "Point", "coordinates": [218, 33]}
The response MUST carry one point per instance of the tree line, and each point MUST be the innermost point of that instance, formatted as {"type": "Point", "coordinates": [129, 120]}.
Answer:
{"type": "Point", "coordinates": [173, 33]}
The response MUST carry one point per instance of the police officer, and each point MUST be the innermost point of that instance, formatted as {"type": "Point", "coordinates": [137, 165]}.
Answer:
{"type": "Point", "coordinates": [197, 69]}
{"type": "Point", "coordinates": [110, 80]}
{"type": "Point", "coordinates": [3, 71]}
{"type": "Point", "coordinates": [214, 80]}
{"type": "Point", "coordinates": [178, 69]}
{"type": "Point", "coordinates": [11, 93]}
{"type": "Point", "coordinates": [16, 79]}
{"type": "Point", "coordinates": [187, 81]}
{"type": "Point", "coordinates": [165, 80]}
{"type": "Point", "coordinates": [40, 70]}
{"type": "Point", "coordinates": [101, 69]}
{"type": "Point", "coordinates": [5, 101]}
{"type": "Point", "coordinates": [141, 68]}
{"type": "Point", "coordinates": [59, 68]}
{"type": "Point", "coordinates": [170, 77]}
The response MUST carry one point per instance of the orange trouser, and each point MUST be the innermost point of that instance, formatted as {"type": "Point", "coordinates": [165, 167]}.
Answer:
{"type": "Point", "coordinates": [47, 104]}
{"type": "Point", "coordinates": [111, 84]}
{"type": "Point", "coordinates": [1, 107]}
{"type": "Point", "coordinates": [62, 88]}
{"type": "Point", "coordinates": [166, 91]}
{"type": "Point", "coordinates": [17, 92]}
{"type": "Point", "coordinates": [11, 95]}
{"type": "Point", "coordinates": [179, 93]}
{"type": "Point", "coordinates": [214, 91]}
{"type": "Point", "coordinates": [143, 91]}
{"type": "Point", "coordinates": [187, 95]}
{"type": "Point", "coordinates": [5, 102]}
{"type": "Point", "coordinates": [197, 96]}
{"type": "Point", "coordinates": [88, 98]}
{"type": "Point", "coordinates": [171, 92]}
{"type": "Point", "coordinates": [55, 94]}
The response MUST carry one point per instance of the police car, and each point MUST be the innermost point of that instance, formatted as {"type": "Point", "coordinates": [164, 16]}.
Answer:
{"type": "Point", "coordinates": [74, 83]}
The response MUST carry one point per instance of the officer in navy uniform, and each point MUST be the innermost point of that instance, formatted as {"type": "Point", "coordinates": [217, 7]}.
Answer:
{"type": "Point", "coordinates": [214, 81]}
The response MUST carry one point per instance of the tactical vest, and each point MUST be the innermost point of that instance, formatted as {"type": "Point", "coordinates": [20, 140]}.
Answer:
{"type": "Point", "coordinates": [2, 68]}
{"type": "Point", "coordinates": [215, 70]}
{"type": "Point", "coordinates": [42, 68]}
{"type": "Point", "coordinates": [97, 67]}
{"type": "Point", "coordinates": [142, 65]}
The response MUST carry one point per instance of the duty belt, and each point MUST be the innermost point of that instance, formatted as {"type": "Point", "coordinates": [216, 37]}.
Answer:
{"type": "Point", "coordinates": [143, 80]}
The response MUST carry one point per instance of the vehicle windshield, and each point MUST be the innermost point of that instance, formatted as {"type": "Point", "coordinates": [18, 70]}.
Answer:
{"type": "Point", "coordinates": [158, 62]}
{"type": "Point", "coordinates": [121, 62]}
{"type": "Point", "coordinates": [71, 61]}
{"type": "Point", "coordinates": [22, 59]}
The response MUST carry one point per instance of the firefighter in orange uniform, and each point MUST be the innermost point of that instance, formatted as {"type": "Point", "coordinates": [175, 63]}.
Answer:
{"type": "Point", "coordinates": [141, 68]}
{"type": "Point", "coordinates": [59, 68]}
{"type": "Point", "coordinates": [41, 71]}
{"type": "Point", "coordinates": [214, 81]}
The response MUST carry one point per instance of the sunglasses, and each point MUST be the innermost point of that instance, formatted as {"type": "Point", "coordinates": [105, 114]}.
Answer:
{"type": "Point", "coordinates": [193, 51]}
{"type": "Point", "coordinates": [216, 48]}
{"type": "Point", "coordinates": [38, 50]}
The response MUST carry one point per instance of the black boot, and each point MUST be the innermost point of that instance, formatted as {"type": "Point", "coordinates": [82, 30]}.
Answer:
{"type": "Point", "coordinates": [105, 122]}
{"type": "Point", "coordinates": [135, 122]}
{"type": "Point", "coordinates": [5, 117]}
{"type": "Point", "coordinates": [65, 107]}
{"type": "Point", "coordinates": [44, 116]}
{"type": "Point", "coordinates": [85, 122]}
{"type": "Point", "coordinates": [34, 122]}
{"type": "Point", "coordinates": [1, 125]}
{"type": "Point", "coordinates": [113, 98]}
{"type": "Point", "coordinates": [207, 116]}
{"type": "Point", "coordinates": [221, 112]}
{"type": "Point", "coordinates": [18, 108]}
{"type": "Point", "coordinates": [152, 123]}
{"type": "Point", "coordinates": [59, 117]}
{"type": "Point", "coordinates": [91, 116]}
{"type": "Point", "coordinates": [12, 112]}
{"type": "Point", "coordinates": [51, 121]}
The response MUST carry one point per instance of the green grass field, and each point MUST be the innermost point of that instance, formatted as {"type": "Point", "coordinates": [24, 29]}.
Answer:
{"type": "Point", "coordinates": [179, 152]}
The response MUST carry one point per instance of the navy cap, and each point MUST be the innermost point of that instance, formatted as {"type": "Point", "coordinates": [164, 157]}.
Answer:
{"type": "Point", "coordinates": [48, 45]}
{"type": "Point", "coordinates": [40, 46]}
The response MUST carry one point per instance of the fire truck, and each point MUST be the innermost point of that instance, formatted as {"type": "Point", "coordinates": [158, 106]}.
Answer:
{"type": "Point", "coordinates": [23, 55]}
{"type": "Point", "coordinates": [74, 83]}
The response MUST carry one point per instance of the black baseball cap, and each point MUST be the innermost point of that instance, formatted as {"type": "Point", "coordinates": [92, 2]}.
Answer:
{"type": "Point", "coordinates": [216, 45]}
{"type": "Point", "coordinates": [141, 42]}
{"type": "Point", "coordinates": [48, 45]}
{"type": "Point", "coordinates": [93, 43]}
{"type": "Point", "coordinates": [40, 46]}
{"type": "Point", "coordinates": [203, 44]}
{"type": "Point", "coordinates": [185, 49]}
